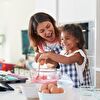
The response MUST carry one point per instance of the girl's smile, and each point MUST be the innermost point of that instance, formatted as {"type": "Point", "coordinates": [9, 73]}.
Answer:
{"type": "Point", "coordinates": [68, 41]}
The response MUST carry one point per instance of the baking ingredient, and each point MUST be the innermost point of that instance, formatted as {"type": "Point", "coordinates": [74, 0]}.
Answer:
{"type": "Point", "coordinates": [41, 62]}
{"type": "Point", "coordinates": [51, 88]}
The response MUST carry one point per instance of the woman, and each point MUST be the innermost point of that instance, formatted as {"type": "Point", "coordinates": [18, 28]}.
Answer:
{"type": "Point", "coordinates": [44, 36]}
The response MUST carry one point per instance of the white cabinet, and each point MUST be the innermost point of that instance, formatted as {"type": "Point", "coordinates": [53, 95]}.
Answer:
{"type": "Point", "coordinates": [98, 33]}
{"type": "Point", "coordinates": [76, 10]}
{"type": "Point", "coordinates": [48, 6]}
{"type": "Point", "coordinates": [97, 68]}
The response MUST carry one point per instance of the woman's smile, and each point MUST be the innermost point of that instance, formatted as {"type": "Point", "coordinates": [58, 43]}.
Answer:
{"type": "Point", "coordinates": [46, 31]}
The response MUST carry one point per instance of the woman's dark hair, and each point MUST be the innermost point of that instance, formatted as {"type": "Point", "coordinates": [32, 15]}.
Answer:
{"type": "Point", "coordinates": [76, 31]}
{"type": "Point", "coordinates": [33, 23]}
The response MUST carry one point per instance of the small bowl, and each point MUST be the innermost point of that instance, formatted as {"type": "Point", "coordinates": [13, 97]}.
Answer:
{"type": "Point", "coordinates": [29, 90]}
{"type": "Point", "coordinates": [47, 96]}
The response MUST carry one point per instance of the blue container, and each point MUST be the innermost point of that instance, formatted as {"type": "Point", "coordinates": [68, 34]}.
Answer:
{"type": "Point", "coordinates": [0, 66]}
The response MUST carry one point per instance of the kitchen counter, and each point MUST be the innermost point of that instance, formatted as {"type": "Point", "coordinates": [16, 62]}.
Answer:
{"type": "Point", "coordinates": [72, 94]}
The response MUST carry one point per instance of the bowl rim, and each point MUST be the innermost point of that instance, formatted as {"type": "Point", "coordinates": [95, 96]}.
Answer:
{"type": "Point", "coordinates": [50, 93]}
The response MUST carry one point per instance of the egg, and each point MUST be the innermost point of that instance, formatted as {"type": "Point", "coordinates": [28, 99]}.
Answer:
{"type": "Point", "coordinates": [50, 85]}
{"type": "Point", "coordinates": [43, 87]}
{"type": "Point", "coordinates": [51, 88]}
{"type": "Point", "coordinates": [41, 62]}
{"type": "Point", "coordinates": [61, 90]}
{"type": "Point", "coordinates": [45, 91]}
{"type": "Point", "coordinates": [54, 89]}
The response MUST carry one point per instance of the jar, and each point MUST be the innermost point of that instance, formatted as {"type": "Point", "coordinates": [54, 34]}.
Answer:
{"type": "Point", "coordinates": [45, 75]}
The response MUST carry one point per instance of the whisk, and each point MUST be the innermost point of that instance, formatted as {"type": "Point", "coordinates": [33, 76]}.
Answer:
{"type": "Point", "coordinates": [40, 63]}
{"type": "Point", "coordinates": [38, 71]}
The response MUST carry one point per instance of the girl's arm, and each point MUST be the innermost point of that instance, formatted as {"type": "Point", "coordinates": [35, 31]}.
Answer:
{"type": "Point", "coordinates": [63, 59]}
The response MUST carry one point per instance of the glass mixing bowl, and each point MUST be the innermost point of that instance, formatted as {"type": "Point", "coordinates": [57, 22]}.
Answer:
{"type": "Point", "coordinates": [45, 75]}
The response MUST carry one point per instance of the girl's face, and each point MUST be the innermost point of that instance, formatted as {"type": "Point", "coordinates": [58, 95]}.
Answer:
{"type": "Point", "coordinates": [68, 41]}
{"type": "Point", "coordinates": [46, 31]}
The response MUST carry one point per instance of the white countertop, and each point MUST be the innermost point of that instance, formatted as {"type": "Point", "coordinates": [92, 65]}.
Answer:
{"type": "Point", "coordinates": [12, 95]}
{"type": "Point", "coordinates": [72, 94]}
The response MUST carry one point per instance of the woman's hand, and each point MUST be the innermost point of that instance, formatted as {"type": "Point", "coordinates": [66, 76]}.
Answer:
{"type": "Point", "coordinates": [37, 55]}
{"type": "Point", "coordinates": [43, 56]}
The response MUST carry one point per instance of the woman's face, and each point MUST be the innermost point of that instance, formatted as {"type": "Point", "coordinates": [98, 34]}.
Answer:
{"type": "Point", "coordinates": [46, 31]}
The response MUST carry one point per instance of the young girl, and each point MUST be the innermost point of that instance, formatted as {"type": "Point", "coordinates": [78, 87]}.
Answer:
{"type": "Point", "coordinates": [72, 59]}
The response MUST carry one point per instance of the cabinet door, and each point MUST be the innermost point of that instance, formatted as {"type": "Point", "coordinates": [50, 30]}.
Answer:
{"type": "Point", "coordinates": [97, 43]}
{"type": "Point", "coordinates": [98, 79]}
{"type": "Point", "coordinates": [76, 10]}
{"type": "Point", "coordinates": [98, 34]}
{"type": "Point", "coordinates": [47, 6]}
